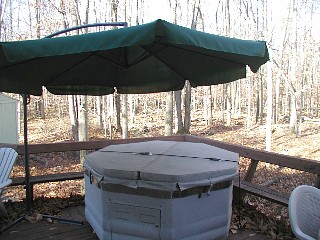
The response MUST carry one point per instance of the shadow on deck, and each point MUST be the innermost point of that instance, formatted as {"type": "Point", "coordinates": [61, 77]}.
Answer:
{"type": "Point", "coordinates": [58, 231]}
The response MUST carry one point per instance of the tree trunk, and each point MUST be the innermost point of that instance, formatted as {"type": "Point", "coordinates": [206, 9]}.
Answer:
{"type": "Point", "coordinates": [249, 103]}
{"type": "Point", "coordinates": [276, 107]}
{"type": "Point", "coordinates": [238, 98]}
{"type": "Point", "coordinates": [214, 90]}
{"type": "Point", "coordinates": [223, 102]}
{"type": "Point", "coordinates": [3, 6]}
{"type": "Point", "coordinates": [187, 100]}
{"type": "Point", "coordinates": [298, 131]}
{"type": "Point", "coordinates": [233, 96]}
{"type": "Point", "coordinates": [41, 100]}
{"type": "Point", "coordinates": [317, 101]}
{"type": "Point", "coordinates": [99, 111]}
{"type": "Point", "coordinates": [187, 104]}
{"type": "Point", "coordinates": [104, 116]}
{"type": "Point", "coordinates": [257, 106]}
{"type": "Point", "coordinates": [293, 114]}
{"type": "Point", "coordinates": [73, 118]}
{"type": "Point", "coordinates": [228, 101]}
{"type": "Point", "coordinates": [124, 116]}
{"type": "Point", "coordinates": [168, 128]}
{"type": "Point", "coordinates": [83, 123]}
{"type": "Point", "coordinates": [208, 110]}
{"type": "Point", "coordinates": [83, 118]}
{"type": "Point", "coordinates": [177, 97]}
{"type": "Point", "coordinates": [261, 100]}
{"type": "Point", "coordinates": [286, 101]}
{"type": "Point", "coordinates": [111, 113]}
{"type": "Point", "coordinates": [228, 122]}
{"type": "Point", "coordinates": [293, 70]}
{"type": "Point", "coordinates": [72, 101]}
{"type": "Point", "coordinates": [132, 108]}
{"type": "Point", "coordinates": [269, 107]}
{"type": "Point", "coordinates": [118, 107]}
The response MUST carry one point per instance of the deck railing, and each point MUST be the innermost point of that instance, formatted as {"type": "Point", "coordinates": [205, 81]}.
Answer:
{"type": "Point", "coordinates": [255, 156]}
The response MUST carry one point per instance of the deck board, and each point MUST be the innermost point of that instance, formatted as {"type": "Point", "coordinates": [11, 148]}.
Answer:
{"type": "Point", "coordinates": [58, 231]}
{"type": "Point", "coordinates": [246, 234]}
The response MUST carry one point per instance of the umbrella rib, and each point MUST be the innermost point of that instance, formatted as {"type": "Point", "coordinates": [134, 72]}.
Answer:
{"type": "Point", "coordinates": [67, 70]}
{"type": "Point", "coordinates": [126, 65]}
{"type": "Point", "coordinates": [169, 66]}
{"type": "Point", "coordinates": [18, 63]}
{"type": "Point", "coordinates": [143, 56]}
{"type": "Point", "coordinates": [146, 54]}
{"type": "Point", "coordinates": [204, 54]}
{"type": "Point", "coordinates": [111, 61]}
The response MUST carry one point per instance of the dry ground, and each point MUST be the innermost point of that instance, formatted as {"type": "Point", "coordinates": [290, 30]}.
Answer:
{"type": "Point", "coordinates": [56, 130]}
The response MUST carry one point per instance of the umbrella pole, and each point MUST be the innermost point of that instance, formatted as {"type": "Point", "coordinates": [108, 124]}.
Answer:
{"type": "Point", "coordinates": [29, 194]}
{"type": "Point", "coordinates": [26, 100]}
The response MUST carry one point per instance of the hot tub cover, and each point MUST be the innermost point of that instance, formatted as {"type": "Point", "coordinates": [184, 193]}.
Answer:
{"type": "Point", "coordinates": [162, 164]}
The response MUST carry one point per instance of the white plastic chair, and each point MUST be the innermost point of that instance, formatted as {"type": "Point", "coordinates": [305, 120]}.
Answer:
{"type": "Point", "coordinates": [8, 157]}
{"type": "Point", "coordinates": [304, 212]}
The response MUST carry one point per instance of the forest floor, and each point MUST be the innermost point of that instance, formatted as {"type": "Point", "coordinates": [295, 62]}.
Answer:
{"type": "Point", "coordinates": [307, 145]}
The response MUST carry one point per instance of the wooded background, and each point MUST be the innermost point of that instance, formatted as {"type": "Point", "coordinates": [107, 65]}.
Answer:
{"type": "Point", "coordinates": [286, 88]}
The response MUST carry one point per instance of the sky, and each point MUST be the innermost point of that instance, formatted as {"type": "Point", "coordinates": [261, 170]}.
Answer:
{"type": "Point", "coordinates": [160, 9]}
{"type": "Point", "coordinates": [279, 9]}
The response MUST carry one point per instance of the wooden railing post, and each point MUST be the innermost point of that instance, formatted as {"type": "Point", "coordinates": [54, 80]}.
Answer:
{"type": "Point", "coordinates": [251, 170]}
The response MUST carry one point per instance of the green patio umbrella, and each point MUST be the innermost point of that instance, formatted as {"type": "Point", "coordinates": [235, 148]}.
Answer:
{"type": "Point", "coordinates": [153, 57]}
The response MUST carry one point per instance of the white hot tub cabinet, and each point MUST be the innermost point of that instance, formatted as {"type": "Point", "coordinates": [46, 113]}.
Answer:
{"type": "Point", "coordinates": [160, 190]}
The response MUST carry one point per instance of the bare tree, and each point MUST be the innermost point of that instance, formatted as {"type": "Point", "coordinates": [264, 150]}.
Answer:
{"type": "Point", "coordinates": [41, 100]}
{"type": "Point", "coordinates": [292, 61]}
{"type": "Point", "coordinates": [72, 100]}
{"type": "Point", "coordinates": [187, 98]}
{"type": "Point", "coordinates": [177, 94]}
{"type": "Point", "coordinates": [3, 5]}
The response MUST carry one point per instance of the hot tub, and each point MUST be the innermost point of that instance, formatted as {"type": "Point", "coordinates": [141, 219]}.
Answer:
{"type": "Point", "coordinates": [160, 190]}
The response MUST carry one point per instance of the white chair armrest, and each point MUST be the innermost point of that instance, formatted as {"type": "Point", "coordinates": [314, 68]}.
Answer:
{"type": "Point", "coordinates": [6, 183]}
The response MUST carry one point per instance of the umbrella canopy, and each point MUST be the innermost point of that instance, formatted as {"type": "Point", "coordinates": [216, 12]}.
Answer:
{"type": "Point", "coordinates": [153, 57]}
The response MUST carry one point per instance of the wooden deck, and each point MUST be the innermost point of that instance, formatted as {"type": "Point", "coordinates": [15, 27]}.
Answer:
{"type": "Point", "coordinates": [58, 231]}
